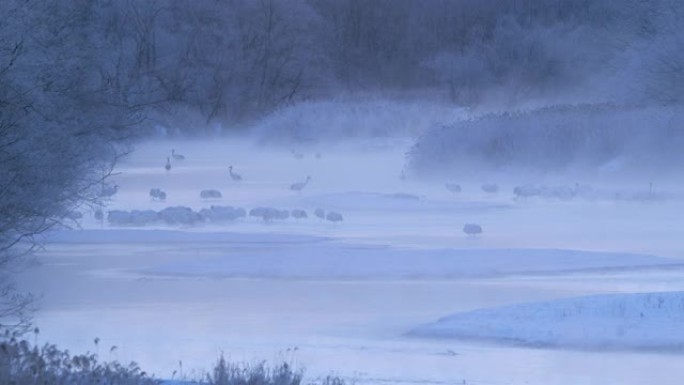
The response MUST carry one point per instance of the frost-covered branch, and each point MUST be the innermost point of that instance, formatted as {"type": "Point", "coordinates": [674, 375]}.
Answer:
{"type": "Point", "coordinates": [63, 126]}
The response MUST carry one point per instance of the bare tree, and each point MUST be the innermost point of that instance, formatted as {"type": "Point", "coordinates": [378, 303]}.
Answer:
{"type": "Point", "coordinates": [63, 126]}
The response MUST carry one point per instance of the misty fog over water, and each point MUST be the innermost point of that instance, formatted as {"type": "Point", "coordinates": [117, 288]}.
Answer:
{"type": "Point", "coordinates": [478, 192]}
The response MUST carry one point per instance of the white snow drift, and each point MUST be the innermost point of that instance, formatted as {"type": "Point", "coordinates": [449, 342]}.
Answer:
{"type": "Point", "coordinates": [620, 321]}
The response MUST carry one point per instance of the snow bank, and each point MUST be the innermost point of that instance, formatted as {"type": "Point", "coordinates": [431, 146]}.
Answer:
{"type": "Point", "coordinates": [620, 321]}
{"type": "Point", "coordinates": [602, 138]}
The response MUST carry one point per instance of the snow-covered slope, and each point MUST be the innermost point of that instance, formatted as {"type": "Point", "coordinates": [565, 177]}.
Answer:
{"type": "Point", "coordinates": [620, 321]}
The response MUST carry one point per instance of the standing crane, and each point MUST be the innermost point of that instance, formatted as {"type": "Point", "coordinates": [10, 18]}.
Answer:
{"type": "Point", "coordinates": [234, 176]}
{"type": "Point", "coordinates": [299, 186]}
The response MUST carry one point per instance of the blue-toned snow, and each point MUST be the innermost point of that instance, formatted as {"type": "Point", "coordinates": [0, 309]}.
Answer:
{"type": "Point", "coordinates": [344, 294]}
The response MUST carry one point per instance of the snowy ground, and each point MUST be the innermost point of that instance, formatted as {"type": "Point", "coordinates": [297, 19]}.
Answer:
{"type": "Point", "coordinates": [342, 296]}
{"type": "Point", "coordinates": [618, 321]}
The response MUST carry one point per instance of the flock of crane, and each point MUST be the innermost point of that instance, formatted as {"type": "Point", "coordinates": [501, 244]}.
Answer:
{"type": "Point", "coordinates": [298, 186]}
{"type": "Point", "coordinates": [181, 215]}
{"type": "Point", "coordinates": [187, 216]}
{"type": "Point", "coordinates": [520, 192]}
{"type": "Point", "coordinates": [523, 191]}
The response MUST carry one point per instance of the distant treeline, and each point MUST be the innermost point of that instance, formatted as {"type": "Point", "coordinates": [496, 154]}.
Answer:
{"type": "Point", "coordinates": [605, 141]}
{"type": "Point", "coordinates": [231, 60]}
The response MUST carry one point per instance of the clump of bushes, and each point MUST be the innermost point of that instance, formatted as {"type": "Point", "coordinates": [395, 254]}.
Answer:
{"type": "Point", "coordinates": [261, 373]}
{"type": "Point", "coordinates": [22, 363]}
{"type": "Point", "coordinates": [226, 373]}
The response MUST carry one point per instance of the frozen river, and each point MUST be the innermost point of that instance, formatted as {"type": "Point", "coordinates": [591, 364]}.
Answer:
{"type": "Point", "coordinates": [352, 327]}
{"type": "Point", "coordinates": [338, 298]}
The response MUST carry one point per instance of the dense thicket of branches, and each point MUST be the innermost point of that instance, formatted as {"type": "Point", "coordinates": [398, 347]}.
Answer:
{"type": "Point", "coordinates": [230, 60]}
{"type": "Point", "coordinates": [76, 77]}
{"type": "Point", "coordinates": [70, 95]}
